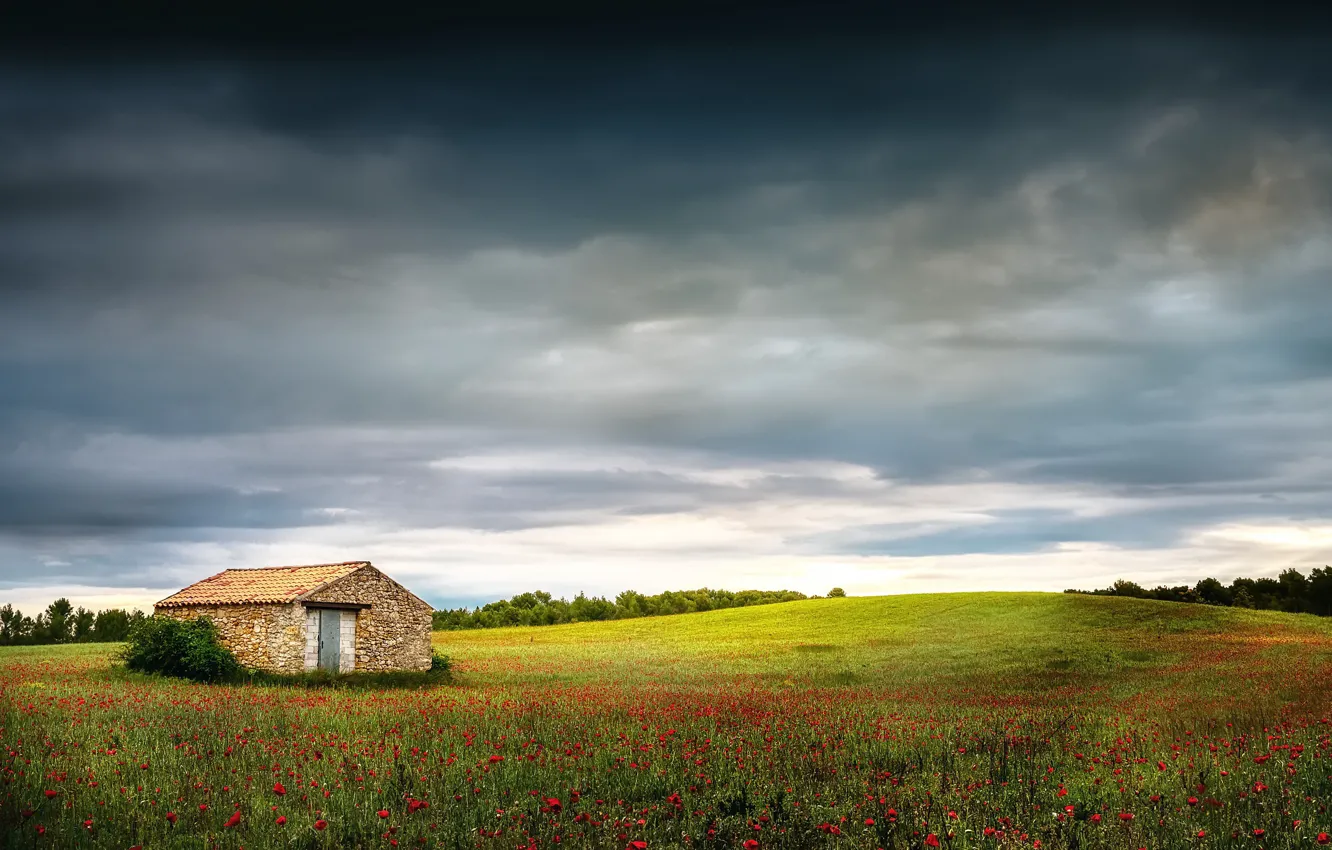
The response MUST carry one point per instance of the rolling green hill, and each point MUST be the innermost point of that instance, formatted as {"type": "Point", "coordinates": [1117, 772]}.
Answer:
{"type": "Point", "coordinates": [1023, 638]}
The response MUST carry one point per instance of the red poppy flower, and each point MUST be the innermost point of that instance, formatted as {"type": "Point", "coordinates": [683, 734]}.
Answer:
{"type": "Point", "coordinates": [1126, 816]}
{"type": "Point", "coordinates": [1259, 833]}
{"type": "Point", "coordinates": [278, 789]}
{"type": "Point", "coordinates": [554, 804]}
{"type": "Point", "coordinates": [281, 819]}
{"type": "Point", "coordinates": [931, 840]}
{"type": "Point", "coordinates": [1202, 833]}
{"type": "Point", "coordinates": [1324, 838]}
{"type": "Point", "coordinates": [383, 813]}
{"type": "Point", "coordinates": [636, 845]}
{"type": "Point", "coordinates": [751, 844]}
{"type": "Point", "coordinates": [234, 820]}
{"type": "Point", "coordinates": [171, 818]}
{"type": "Point", "coordinates": [320, 824]}
{"type": "Point", "coordinates": [49, 793]}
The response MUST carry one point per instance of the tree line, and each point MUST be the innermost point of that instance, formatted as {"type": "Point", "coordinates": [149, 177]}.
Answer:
{"type": "Point", "coordinates": [61, 622]}
{"type": "Point", "coordinates": [1290, 591]}
{"type": "Point", "coordinates": [539, 608]}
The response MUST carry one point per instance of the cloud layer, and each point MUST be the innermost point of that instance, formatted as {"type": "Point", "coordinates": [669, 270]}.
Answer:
{"type": "Point", "coordinates": [999, 315]}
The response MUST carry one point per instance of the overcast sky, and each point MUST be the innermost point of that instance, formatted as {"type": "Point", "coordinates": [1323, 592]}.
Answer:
{"type": "Point", "coordinates": [972, 315]}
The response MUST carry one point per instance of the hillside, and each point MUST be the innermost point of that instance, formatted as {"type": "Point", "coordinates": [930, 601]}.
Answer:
{"type": "Point", "coordinates": [1022, 638]}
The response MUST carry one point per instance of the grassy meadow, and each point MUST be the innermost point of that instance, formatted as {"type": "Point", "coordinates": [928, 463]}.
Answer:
{"type": "Point", "coordinates": [950, 720]}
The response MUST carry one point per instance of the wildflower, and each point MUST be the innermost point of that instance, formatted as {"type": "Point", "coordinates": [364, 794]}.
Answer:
{"type": "Point", "coordinates": [281, 819]}
{"type": "Point", "coordinates": [751, 844]}
{"type": "Point", "coordinates": [1324, 838]}
{"type": "Point", "coordinates": [1202, 833]}
{"type": "Point", "coordinates": [1193, 801]}
{"type": "Point", "coordinates": [234, 820]}
{"type": "Point", "coordinates": [278, 789]}
{"type": "Point", "coordinates": [49, 793]}
{"type": "Point", "coordinates": [1096, 818]}
{"type": "Point", "coordinates": [1259, 833]}
{"type": "Point", "coordinates": [171, 818]}
{"type": "Point", "coordinates": [869, 821]}
{"type": "Point", "coordinates": [931, 840]}
{"type": "Point", "coordinates": [636, 845]}
{"type": "Point", "coordinates": [320, 824]}
{"type": "Point", "coordinates": [1126, 816]}
{"type": "Point", "coordinates": [383, 813]}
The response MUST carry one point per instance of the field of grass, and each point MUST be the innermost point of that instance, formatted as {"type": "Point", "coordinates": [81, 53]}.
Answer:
{"type": "Point", "coordinates": [950, 720]}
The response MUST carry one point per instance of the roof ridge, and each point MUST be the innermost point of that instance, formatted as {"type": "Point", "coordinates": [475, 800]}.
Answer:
{"type": "Point", "coordinates": [295, 566]}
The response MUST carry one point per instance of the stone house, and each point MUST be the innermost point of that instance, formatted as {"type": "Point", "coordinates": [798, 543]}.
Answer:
{"type": "Point", "coordinates": [345, 617]}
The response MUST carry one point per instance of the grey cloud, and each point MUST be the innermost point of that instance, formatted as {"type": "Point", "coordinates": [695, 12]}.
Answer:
{"type": "Point", "coordinates": [929, 263]}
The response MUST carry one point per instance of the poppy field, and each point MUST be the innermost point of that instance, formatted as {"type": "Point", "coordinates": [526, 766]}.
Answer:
{"type": "Point", "coordinates": [949, 720]}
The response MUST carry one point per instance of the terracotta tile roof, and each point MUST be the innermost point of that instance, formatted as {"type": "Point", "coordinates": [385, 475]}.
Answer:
{"type": "Point", "coordinates": [265, 585]}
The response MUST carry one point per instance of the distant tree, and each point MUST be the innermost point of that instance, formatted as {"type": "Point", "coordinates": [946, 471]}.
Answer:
{"type": "Point", "coordinates": [1213, 592]}
{"type": "Point", "coordinates": [585, 608]}
{"type": "Point", "coordinates": [539, 608]}
{"type": "Point", "coordinates": [81, 624]}
{"type": "Point", "coordinates": [12, 626]}
{"type": "Point", "coordinates": [1124, 587]}
{"type": "Point", "coordinates": [629, 604]}
{"type": "Point", "coordinates": [836, 593]}
{"type": "Point", "coordinates": [1294, 591]}
{"type": "Point", "coordinates": [1320, 591]}
{"type": "Point", "coordinates": [113, 624]}
{"type": "Point", "coordinates": [58, 620]}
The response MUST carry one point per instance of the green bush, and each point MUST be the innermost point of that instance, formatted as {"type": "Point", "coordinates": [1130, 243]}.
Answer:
{"type": "Point", "coordinates": [439, 663]}
{"type": "Point", "coordinates": [188, 649]}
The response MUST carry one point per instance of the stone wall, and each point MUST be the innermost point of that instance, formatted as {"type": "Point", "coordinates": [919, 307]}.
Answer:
{"type": "Point", "coordinates": [269, 637]}
{"type": "Point", "coordinates": [394, 632]}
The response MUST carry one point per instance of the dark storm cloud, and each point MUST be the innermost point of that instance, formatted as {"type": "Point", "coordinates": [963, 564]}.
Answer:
{"type": "Point", "coordinates": [231, 288]}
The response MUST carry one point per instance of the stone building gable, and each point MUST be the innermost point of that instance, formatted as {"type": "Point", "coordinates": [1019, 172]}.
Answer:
{"type": "Point", "coordinates": [393, 633]}
{"type": "Point", "coordinates": [269, 637]}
